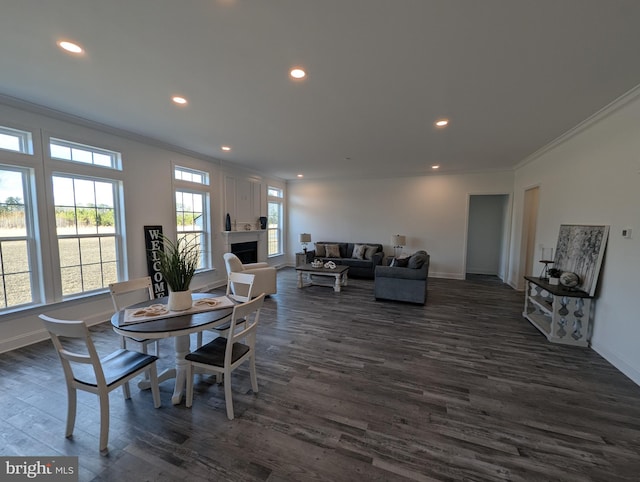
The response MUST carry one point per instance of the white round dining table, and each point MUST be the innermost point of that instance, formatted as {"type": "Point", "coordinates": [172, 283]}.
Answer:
{"type": "Point", "coordinates": [179, 327]}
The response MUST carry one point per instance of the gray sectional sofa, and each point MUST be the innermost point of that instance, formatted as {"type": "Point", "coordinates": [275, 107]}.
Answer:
{"type": "Point", "coordinates": [361, 262]}
{"type": "Point", "coordinates": [407, 282]}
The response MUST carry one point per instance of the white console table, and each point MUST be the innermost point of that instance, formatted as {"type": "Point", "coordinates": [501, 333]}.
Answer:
{"type": "Point", "coordinates": [562, 314]}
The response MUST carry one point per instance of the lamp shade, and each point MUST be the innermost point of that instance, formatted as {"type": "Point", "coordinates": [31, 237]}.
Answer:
{"type": "Point", "coordinates": [398, 240]}
{"type": "Point", "coordinates": [305, 238]}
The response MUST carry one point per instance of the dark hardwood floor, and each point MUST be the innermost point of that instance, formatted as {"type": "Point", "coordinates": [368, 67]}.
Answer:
{"type": "Point", "coordinates": [352, 389]}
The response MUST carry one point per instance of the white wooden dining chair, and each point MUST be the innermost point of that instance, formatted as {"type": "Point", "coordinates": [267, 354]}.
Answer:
{"type": "Point", "coordinates": [126, 293]}
{"type": "Point", "coordinates": [240, 286]}
{"type": "Point", "coordinates": [223, 355]}
{"type": "Point", "coordinates": [84, 370]}
{"type": "Point", "coordinates": [240, 289]}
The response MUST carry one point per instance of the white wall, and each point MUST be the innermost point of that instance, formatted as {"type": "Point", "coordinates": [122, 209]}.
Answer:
{"type": "Point", "coordinates": [148, 199]}
{"type": "Point", "coordinates": [431, 211]}
{"type": "Point", "coordinates": [594, 178]}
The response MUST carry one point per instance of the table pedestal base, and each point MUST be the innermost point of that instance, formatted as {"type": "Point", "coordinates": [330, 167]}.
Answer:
{"type": "Point", "coordinates": [182, 349]}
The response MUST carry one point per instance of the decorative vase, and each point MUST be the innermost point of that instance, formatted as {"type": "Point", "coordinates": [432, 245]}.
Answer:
{"type": "Point", "coordinates": [180, 300]}
{"type": "Point", "coordinates": [263, 222]}
{"type": "Point", "coordinates": [227, 223]}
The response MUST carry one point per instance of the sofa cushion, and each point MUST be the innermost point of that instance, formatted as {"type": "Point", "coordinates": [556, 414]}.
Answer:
{"type": "Point", "coordinates": [400, 262]}
{"type": "Point", "coordinates": [370, 251]}
{"type": "Point", "coordinates": [355, 263]}
{"type": "Point", "coordinates": [400, 273]}
{"type": "Point", "coordinates": [332, 251]}
{"type": "Point", "coordinates": [417, 260]}
{"type": "Point", "coordinates": [359, 251]}
{"type": "Point", "coordinates": [320, 251]}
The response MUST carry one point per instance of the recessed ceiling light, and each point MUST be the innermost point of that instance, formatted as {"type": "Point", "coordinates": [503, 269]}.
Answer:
{"type": "Point", "coordinates": [297, 73]}
{"type": "Point", "coordinates": [225, 148]}
{"type": "Point", "coordinates": [70, 47]}
{"type": "Point", "coordinates": [435, 166]}
{"type": "Point", "coordinates": [300, 175]}
{"type": "Point", "coordinates": [442, 122]}
{"type": "Point", "coordinates": [179, 100]}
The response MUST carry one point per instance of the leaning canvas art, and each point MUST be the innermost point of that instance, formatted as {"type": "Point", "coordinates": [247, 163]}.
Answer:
{"type": "Point", "coordinates": [580, 250]}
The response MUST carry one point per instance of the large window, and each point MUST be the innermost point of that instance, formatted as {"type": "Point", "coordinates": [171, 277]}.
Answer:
{"type": "Point", "coordinates": [85, 213]}
{"type": "Point", "coordinates": [274, 221]}
{"type": "Point", "coordinates": [192, 202]}
{"type": "Point", "coordinates": [16, 239]}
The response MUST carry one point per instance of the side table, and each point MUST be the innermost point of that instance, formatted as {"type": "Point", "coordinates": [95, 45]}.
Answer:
{"type": "Point", "coordinates": [562, 315]}
{"type": "Point", "coordinates": [303, 258]}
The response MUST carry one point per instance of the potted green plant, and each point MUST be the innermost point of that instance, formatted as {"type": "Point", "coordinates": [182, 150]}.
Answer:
{"type": "Point", "coordinates": [177, 264]}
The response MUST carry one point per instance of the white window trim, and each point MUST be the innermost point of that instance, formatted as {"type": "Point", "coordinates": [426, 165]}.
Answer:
{"type": "Point", "coordinates": [60, 167]}
{"type": "Point", "coordinates": [203, 188]}
{"type": "Point", "coordinates": [280, 230]}
{"type": "Point", "coordinates": [30, 237]}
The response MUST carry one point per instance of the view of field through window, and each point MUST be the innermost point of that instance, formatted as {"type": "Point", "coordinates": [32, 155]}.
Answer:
{"type": "Point", "coordinates": [85, 225]}
{"type": "Point", "coordinates": [15, 288]}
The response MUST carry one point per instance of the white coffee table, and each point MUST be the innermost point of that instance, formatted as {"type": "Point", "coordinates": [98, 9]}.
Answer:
{"type": "Point", "coordinates": [307, 273]}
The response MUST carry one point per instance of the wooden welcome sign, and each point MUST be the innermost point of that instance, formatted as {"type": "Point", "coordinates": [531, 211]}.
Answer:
{"type": "Point", "coordinates": [153, 243]}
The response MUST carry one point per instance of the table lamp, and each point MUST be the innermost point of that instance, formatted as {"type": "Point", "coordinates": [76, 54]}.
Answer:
{"type": "Point", "coordinates": [304, 239]}
{"type": "Point", "coordinates": [398, 241]}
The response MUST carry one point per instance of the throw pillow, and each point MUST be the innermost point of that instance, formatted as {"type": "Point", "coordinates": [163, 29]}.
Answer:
{"type": "Point", "coordinates": [393, 262]}
{"type": "Point", "coordinates": [332, 250]}
{"type": "Point", "coordinates": [359, 251]}
{"type": "Point", "coordinates": [320, 251]}
{"type": "Point", "coordinates": [402, 262]}
{"type": "Point", "coordinates": [370, 251]}
{"type": "Point", "coordinates": [416, 261]}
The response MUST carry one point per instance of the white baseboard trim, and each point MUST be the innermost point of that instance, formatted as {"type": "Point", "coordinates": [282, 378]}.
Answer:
{"type": "Point", "coordinates": [25, 339]}
{"type": "Point", "coordinates": [440, 274]}
{"type": "Point", "coordinates": [632, 373]}
{"type": "Point", "coordinates": [515, 286]}
{"type": "Point", "coordinates": [13, 343]}
{"type": "Point", "coordinates": [210, 286]}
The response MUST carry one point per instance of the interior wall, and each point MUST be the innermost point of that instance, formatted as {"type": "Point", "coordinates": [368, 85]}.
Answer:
{"type": "Point", "coordinates": [485, 234]}
{"type": "Point", "coordinates": [431, 211]}
{"type": "Point", "coordinates": [148, 173]}
{"type": "Point", "coordinates": [594, 178]}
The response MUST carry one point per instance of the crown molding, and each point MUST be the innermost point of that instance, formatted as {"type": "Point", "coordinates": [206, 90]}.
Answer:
{"type": "Point", "coordinates": [599, 116]}
{"type": "Point", "coordinates": [63, 116]}
{"type": "Point", "coordinates": [151, 141]}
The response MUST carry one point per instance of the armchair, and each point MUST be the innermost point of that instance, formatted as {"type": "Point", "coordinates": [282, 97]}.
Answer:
{"type": "Point", "coordinates": [265, 275]}
{"type": "Point", "coordinates": [407, 284]}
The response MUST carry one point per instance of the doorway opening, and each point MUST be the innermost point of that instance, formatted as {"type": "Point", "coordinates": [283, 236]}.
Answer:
{"type": "Point", "coordinates": [529, 223]}
{"type": "Point", "coordinates": [487, 236]}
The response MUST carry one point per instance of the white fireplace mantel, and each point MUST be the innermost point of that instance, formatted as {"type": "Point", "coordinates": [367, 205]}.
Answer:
{"type": "Point", "coordinates": [259, 235]}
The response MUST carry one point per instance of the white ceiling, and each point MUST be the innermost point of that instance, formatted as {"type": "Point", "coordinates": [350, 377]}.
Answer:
{"type": "Point", "coordinates": [512, 75]}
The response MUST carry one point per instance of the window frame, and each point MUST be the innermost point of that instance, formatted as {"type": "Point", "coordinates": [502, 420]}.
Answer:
{"type": "Point", "coordinates": [116, 157]}
{"type": "Point", "coordinates": [199, 188]}
{"type": "Point", "coordinates": [25, 140]}
{"type": "Point", "coordinates": [30, 238]}
{"type": "Point", "coordinates": [116, 235]}
{"type": "Point", "coordinates": [83, 171]}
{"type": "Point", "coordinates": [279, 229]}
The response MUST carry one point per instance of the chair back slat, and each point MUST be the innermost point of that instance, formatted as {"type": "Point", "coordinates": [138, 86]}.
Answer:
{"type": "Point", "coordinates": [122, 288]}
{"type": "Point", "coordinates": [249, 313]}
{"type": "Point", "coordinates": [77, 330]}
{"type": "Point", "coordinates": [240, 286]}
